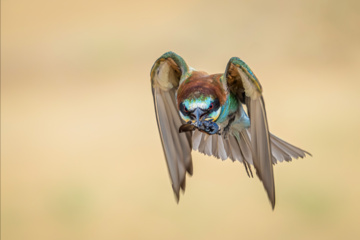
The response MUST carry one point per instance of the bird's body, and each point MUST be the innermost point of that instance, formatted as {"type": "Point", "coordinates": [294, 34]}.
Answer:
{"type": "Point", "coordinates": [205, 112]}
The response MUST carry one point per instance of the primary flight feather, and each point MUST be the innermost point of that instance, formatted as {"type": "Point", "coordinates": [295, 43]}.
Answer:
{"type": "Point", "coordinates": [202, 112]}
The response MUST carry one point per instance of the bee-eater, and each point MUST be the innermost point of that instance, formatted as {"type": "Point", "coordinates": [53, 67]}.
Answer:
{"type": "Point", "coordinates": [198, 111]}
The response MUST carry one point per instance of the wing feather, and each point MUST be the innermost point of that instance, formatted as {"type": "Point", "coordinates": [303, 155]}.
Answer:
{"type": "Point", "coordinates": [196, 140]}
{"type": "Point", "coordinates": [165, 130]}
{"type": "Point", "coordinates": [228, 149]}
{"type": "Point", "coordinates": [235, 149]}
{"type": "Point", "coordinates": [260, 142]}
{"type": "Point", "coordinates": [166, 74]}
{"type": "Point", "coordinates": [215, 147]}
{"type": "Point", "coordinates": [208, 145]}
{"type": "Point", "coordinates": [221, 147]}
{"type": "Point", "coordinates": [278, 154]}
{"type": "Point", "coordinates": [288, 148]}
{"type": "Point", "coordinates": [245, 146]}
{"type": "Point", "coordinates": [241, 81]}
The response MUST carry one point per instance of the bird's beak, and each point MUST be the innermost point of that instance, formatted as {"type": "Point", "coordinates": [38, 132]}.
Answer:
{"type": "Point", "coordinates": [197, 116]}
{"type": "Point", "coordinates": [198, 122]}
{"type": "Point", "coordinates": [198, 113]}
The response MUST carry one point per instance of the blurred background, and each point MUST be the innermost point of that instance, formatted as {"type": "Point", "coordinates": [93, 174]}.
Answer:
{"type": "Point", "coordinates": [81, 157]}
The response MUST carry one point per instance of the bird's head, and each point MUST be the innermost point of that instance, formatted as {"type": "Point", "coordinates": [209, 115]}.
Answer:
{"type": "Point", "coordinates": [200, 111]}
{"type": "Point", "coordinates": [200, 99]}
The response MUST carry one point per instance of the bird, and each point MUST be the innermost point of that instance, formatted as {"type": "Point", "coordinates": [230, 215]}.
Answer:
{"type": "Point", "coordinates": [221, 115]}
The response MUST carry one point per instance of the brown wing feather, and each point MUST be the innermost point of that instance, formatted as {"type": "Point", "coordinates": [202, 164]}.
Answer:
{"type": "Point", "coordinates": [177, 147]}
{"type": "Point", "coordinates": [243, 83]}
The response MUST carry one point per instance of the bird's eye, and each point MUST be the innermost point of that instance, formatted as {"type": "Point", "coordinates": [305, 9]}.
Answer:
{"type": "Point", "coordinates": [185, 109]}
{"type": "Point", "coordinates": [211, 106]}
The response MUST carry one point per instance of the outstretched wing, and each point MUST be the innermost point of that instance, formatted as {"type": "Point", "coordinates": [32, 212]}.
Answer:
{"type": "Point", "coordinates": [166, 74]}
{"type": "Point", "coordinates": [242, 82]}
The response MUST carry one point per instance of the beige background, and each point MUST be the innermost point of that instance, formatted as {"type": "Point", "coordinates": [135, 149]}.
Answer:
{"type": "Point", "coordinates": [80, 153]}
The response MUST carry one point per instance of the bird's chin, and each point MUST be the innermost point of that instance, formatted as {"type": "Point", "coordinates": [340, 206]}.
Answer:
{"type": "Point", "coordinates": [208, 127]}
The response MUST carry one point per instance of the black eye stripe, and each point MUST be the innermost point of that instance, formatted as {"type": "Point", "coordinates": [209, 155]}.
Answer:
{"type": "Point", "coordinates": [214, 105]}
{"type": "Point", "coordinates": [184, 110]}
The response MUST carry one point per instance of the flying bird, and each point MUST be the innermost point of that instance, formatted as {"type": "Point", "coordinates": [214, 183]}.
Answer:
{"type": "Point", "coordinates": [221, 115]}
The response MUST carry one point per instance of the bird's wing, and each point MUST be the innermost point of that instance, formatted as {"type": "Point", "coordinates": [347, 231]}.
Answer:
{"type": "Point", "coordinates": [166, 74]}
{"type": "Point", "coordinates": [242, 82]}
{"type": "Point", "coordinates": [233, 147]}
{"type": "Point", "coordinates": [282, 150]}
